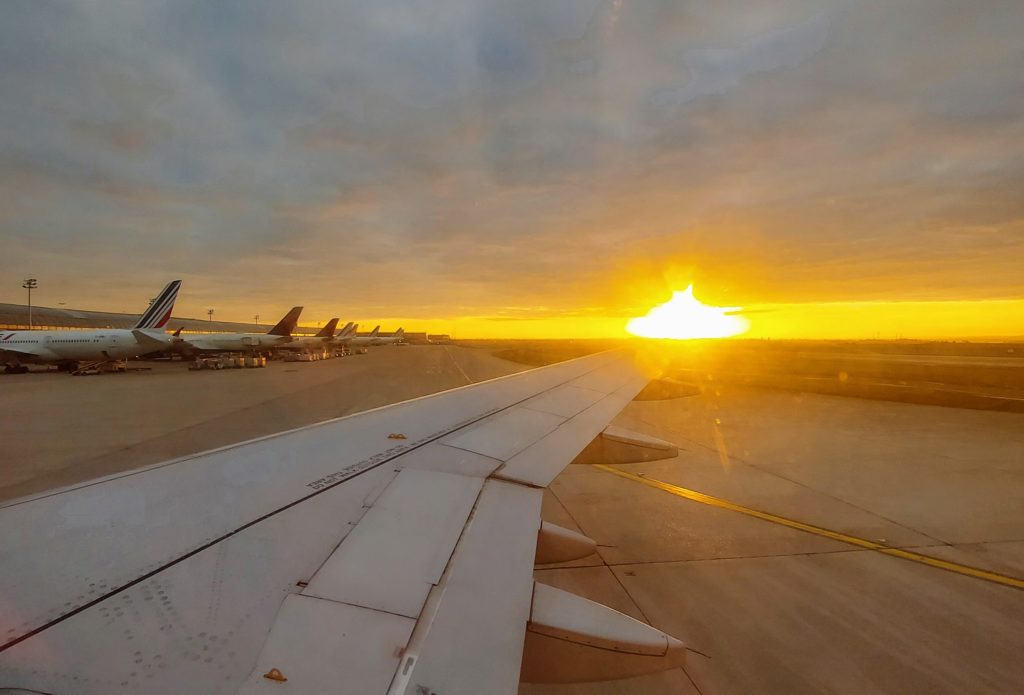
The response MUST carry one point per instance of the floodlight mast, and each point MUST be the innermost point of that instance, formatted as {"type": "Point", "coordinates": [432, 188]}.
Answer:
{"type": "Point", "coordinates": [30, 284]}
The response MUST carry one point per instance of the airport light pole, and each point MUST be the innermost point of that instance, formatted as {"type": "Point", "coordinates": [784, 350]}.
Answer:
{"type": "Point", "coordinates": [257, 319]}
{"type": "Point", "coordinates": [209, 314]}
{"type": "Point", "coordinates": [29, 284]}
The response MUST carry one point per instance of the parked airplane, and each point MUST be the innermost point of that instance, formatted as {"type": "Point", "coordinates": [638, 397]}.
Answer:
{"type": "Point", "coordinates": [67, 348]}
{"type": "Point", "coordinates": [239, 342]}
{"type": "Point", "coordinates": [375, 338]}
{"type": "Point", "coordinates": [332, 558]}
{"type": "Point", "coordinates": [346, 329]}
{"type": "Point", "coordinates": [364, 340]}
{"type": "Point", "coordinates": [393, 339]}
{"type": "Point", "coordinates": [345, 335]}
{"type": "Point", "coordinates": [320, 341]}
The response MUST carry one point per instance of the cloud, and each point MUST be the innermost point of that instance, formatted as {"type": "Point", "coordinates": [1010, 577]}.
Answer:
{"type": "Point", "coordinates": [498, 155]}
{"type": "Point", "coordinates": [718, 70]}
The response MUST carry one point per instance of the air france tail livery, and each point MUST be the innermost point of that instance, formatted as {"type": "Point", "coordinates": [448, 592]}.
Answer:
{"type": "Point", "coordinates": [247, 342]}
{"type": "Point", "coordinates": [67, 348]}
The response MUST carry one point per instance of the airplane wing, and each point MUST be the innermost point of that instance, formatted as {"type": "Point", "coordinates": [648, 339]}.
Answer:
{"type": "Point", "coordinates": [154, 340]}
{"type": "Point", "coordinates": [390, 551]}
{"type": "Point", "coordinates": [17, 353]}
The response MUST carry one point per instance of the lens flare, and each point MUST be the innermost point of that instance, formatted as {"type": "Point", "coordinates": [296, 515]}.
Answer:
{"type": "Point", "coordinates": [684, 317]}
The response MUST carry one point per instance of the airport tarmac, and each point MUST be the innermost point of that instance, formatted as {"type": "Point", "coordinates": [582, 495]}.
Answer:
{"type": "Point", "coordinates": [779, 610]}
{"type": "Point", "coordinates": [59, 429]}
{"type": "Point", "coordinates": [770, 609]}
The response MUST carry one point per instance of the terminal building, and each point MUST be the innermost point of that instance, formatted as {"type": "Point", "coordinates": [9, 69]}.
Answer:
{"type": "Point", "coordinates": [14, 317]}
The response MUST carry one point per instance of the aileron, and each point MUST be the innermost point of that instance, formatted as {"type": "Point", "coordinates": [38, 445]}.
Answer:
{"type": "Point", "coordinates": [320, 646]}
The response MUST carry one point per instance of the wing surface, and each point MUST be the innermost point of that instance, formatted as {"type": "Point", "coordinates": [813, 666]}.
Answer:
{"type": "Point", "coordinates": [17, 353]}
{"type": "Point", "coordinates": [392, 549]}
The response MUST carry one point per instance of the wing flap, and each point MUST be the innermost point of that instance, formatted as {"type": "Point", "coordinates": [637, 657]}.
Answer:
{"type": "Point", "coordinates": [401, 546]}
{"type": "Point", "coordinates": [470, 638]}
{"type": "Point", "coordinates": [320, 646]}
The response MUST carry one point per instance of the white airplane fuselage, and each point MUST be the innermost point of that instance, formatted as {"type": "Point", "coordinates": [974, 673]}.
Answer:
{"type": "Point", "coordinates": [234, 342]}
{"type": "Point", "coordinates": [365, 340]}
{"type": "Point", "coordinates": [308, 342]}
{"type": "Point", "coordinates": [77, 346]}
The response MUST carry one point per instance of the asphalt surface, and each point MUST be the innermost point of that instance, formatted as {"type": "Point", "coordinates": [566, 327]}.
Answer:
{"type": "Point", "coordinates": [59, 429]}
{"type": "Point", "coordinates": [774, 609]}
{"type": "Point", "coordinates": [771, 607]}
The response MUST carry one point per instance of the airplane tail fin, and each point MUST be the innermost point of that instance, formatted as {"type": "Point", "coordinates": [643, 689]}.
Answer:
{"type": "Point", "coordinates": [177, 333]}
{"type": "Point", "coordinates": [375, 332]}
{"type": "Point", "coordinates": [286, 325]}
{"type": "Point", "coordinates": [328, 330]}
{"type": "Point", "coordinates": [159, 312]}
{"type": "Point", "coordinates": [348, 329]}
{"type": "Point", "coordinates": [400, 332]}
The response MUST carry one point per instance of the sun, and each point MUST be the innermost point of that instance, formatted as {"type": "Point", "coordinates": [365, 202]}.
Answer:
{"type": "Point", "coordinates": [684, 317]}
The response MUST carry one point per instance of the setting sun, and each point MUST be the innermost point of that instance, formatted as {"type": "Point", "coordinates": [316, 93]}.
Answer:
{"type": "Point", "coordinates": [684, 317]}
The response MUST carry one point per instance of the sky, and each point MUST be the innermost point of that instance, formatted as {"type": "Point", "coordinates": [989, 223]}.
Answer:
{"type": "Point", "coordinates": [521, 168]}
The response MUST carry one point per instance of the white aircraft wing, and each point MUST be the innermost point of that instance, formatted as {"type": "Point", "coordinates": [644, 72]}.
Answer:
{"type": "Point", "coordinates": [389, 551]}
{"type": "Point", "coordinates": [22, 353]}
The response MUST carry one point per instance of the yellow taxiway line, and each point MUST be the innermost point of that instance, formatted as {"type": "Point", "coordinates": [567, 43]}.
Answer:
{"type": "Point", "coordinates": [966, 570]}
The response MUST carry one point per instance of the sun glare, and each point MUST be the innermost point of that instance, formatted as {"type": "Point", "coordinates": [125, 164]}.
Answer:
{"type": "Point", "coordinates": [684, 317]}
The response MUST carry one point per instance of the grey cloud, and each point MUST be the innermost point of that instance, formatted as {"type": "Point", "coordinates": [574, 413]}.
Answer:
{"type": "Point", "coordinates": [717, 70]}
{"type": "Point", "coordinates": [515, 153]}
